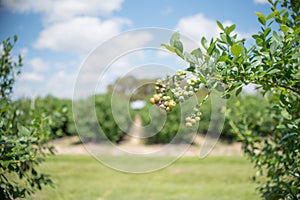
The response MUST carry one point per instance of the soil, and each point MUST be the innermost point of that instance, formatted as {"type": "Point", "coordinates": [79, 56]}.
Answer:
{"type": "Point", "coordinates": [73, 145]}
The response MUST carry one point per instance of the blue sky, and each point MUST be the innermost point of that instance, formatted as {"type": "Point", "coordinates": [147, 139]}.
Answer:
{"type": "Point", "coordinates": [56, 36]}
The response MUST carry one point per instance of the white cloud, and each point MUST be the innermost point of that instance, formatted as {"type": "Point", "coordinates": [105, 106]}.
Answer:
{"type": "Point", "coordinates": [60, 10]}
{"type": "Point", "coordinates": [105, 63]}
{"type": "Point", "coordinates": [72, 26]}
{"type": "Point", "coordinates": [32, 77]}
{"type": "Point", "coordinates": [78, 35]}
{"type": "Point", "coordinates": [38, 65]}
{"type": "Point", "coordinates": [61, 84]}
{"type": "Point", "coordinates": [261, 1]}
{"type": "Point", "coordinates": [23, 90]}
{"type": "Point", "coordinates": [23, 52]}
{"type": "Point", "coordinates": [199, 26]}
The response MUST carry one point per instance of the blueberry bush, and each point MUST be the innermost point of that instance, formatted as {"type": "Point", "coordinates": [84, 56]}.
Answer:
{"type": "Point", "coordinates": [224, 65]}
{"type": "Point", "coordinates": [22, 143]}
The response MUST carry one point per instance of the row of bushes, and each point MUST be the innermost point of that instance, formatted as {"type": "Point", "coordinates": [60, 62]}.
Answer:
{"type": "Point", "coordinates": [96, 120]}
{"type": "Point", "coordinates": [93, 116]}
{"type": "Point", "coordinates": [58, 111]}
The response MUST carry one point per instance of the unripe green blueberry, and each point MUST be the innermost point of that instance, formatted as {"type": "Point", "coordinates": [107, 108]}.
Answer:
{"type": "Point", "coordinates": [188, 124]}
{"type": "Point", "coordinates": [162, 106]}
{"type": "Point", "coordinates": [168, 109]}
{"type": "Point", "coordinates": [188, 119]}
{"type": "Point", "coordinates": [181, 99]}
{"type": "Point", "coordinates": [167, 98]}
{"type": "Point", "coordinates": [197, 119]}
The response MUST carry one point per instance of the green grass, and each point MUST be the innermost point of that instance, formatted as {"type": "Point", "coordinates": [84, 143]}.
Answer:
{"type": "Point", "coordinates": [83, 177]}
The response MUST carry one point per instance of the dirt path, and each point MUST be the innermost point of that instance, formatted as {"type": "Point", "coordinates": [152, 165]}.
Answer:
{"type": "Point", "coordinates": [134, 135]}
{"type": "Point", "coordinates": [73, 145]}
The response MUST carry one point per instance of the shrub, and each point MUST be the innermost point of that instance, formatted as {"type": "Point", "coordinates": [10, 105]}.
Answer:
{"type": "Point", "coordinates": [22, 144]}
{"type": "Point", "coordinates": [95, 119]}
{"type": "Point", "coordinates": [225, 64]}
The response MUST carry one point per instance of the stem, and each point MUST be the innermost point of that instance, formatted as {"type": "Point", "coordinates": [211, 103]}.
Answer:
{"type": "Point", "coordinates": [289, 88]}
{"type": "Point", "coordinates": [205, 98]}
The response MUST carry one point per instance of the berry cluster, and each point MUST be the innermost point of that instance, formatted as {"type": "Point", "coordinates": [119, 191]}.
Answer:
{"type": "Point", "coordinates": [164, 102]}
{"type": "Point", "coordinates": [171, 91]}
{"type": "Point", "coordinates": [194, 118]}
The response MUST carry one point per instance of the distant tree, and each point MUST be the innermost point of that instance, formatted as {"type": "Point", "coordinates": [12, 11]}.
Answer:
{"type": "Point", "coordinates": [132, 87]}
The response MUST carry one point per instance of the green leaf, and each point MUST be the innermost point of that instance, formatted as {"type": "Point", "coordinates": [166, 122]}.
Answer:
{"type": "Point", "coordinates": [204, 42]}
{"type": "Point", "coordinates": [202, 78]}
{"type": "Point", "coordinates": [229, 39]}
{"type": "Point", "coordinates": [259, 42]}
{"type": "Point", "coordinates": [273, 71]}
{"type": "Point", "coordinates": [267, 31]}
{"type": "Point", "coordinates": [211, 48]}
{"type": "Point", "coordinates": [23, 130]}
{"type": "Point", "coordinates": [236, 49]}
{"type": "Point", "coordinates": [238, 91]}
{"type": "Point", "coordinates": [286, 115]}
{"type": "Point", "coordinates": [273, 47]}
{"type": "Point", "coordinates": [276, 36]}
{"type": "Point", "coordinates": [289, 135]}
{"type": "Point", "coordinates": [230, 29]}
{"type": "Point", "coordinates": [261, 18]}
{"type": "Point", "coordinates": [226, 96]}
{"type": "Point", "coordinates": [168, 47]}
{"type": "Point", "coordinates": [178, 45]}
{"type": "Point", "coordinates": [15, 38]}
{"type": "Point", "coordinates": [175, 37]}
{"type": "Point", "coordinates": [175, 42]}
{"type": "Point", "coordinates": [220, 26]}
{"type": "Point", "coordinates": [197, 52]}
{"type": "Point", "coordinates": [284, 28]}
{"type": "Point", "coordinates": [191, 68]}
{"type": "Point", "coordinates": [297, 31]}
{"type": "Point", "coordinates": [270, 16]}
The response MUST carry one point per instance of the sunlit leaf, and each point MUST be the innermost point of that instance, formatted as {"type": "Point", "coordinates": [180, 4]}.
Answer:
{"type": "Point", "coordinates": [236, 49]}
{"type": "Point", "coordinates": [261, 18]}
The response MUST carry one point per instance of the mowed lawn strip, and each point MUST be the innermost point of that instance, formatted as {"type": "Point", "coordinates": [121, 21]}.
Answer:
{"type": "Point", "coordinates": [83, 177]}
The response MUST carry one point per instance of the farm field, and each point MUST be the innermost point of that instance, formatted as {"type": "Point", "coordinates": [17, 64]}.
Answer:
{"type": "Point", "coordinates": [215, 177]}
